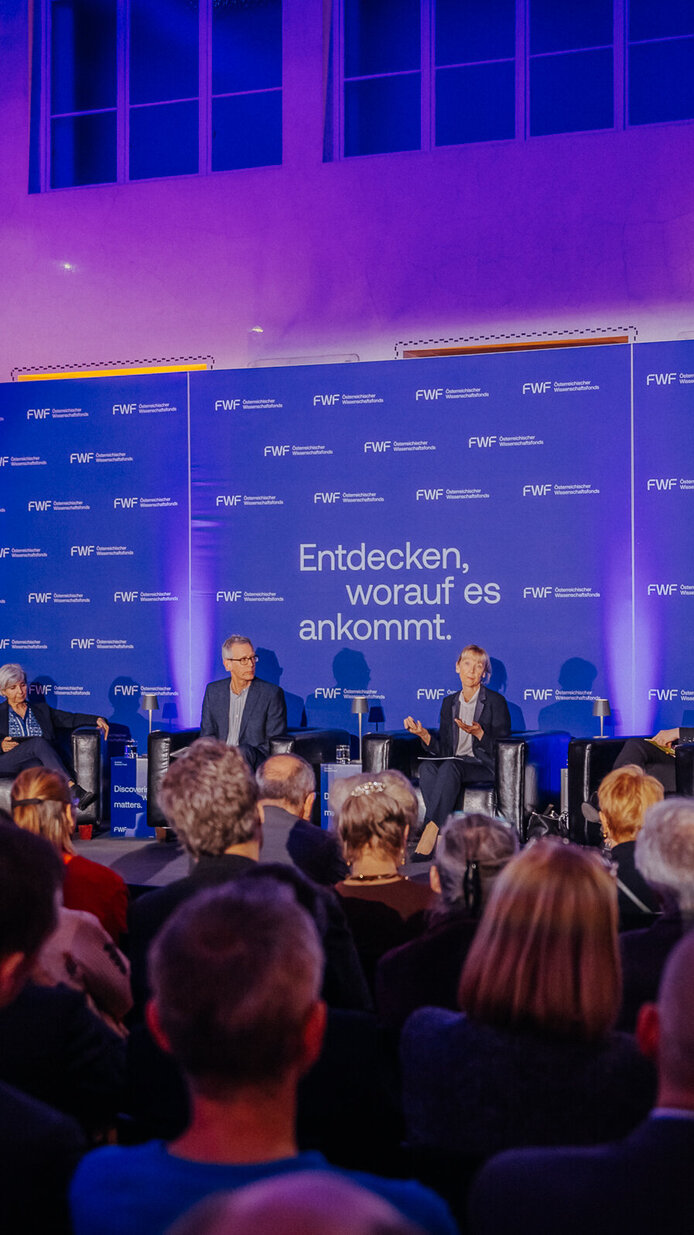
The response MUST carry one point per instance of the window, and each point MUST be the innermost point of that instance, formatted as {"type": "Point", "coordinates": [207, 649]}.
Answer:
{"type": "Point", "coordinates": [661, 60]}
{"type": "Point", "coordinates": [136, 89]}
{"type": "Point", "coordinates": [418, 74]}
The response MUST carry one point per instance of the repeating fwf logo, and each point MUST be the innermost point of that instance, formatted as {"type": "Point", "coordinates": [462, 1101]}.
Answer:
{"type": "Point", "coordinates": [377, 448]}
{"type": "Point", "coordinates": [536, 388]}
{"type": "Point", "coordinates": [123, 409]}
{"type": "Point", "coordinates": [483, 442]}
{"type": "Point", "coordinates": [328, 499]}
{"type": "Point", "coordinates": [38, 413]}
{"type": "Point", "coordinates": [82, 456]}
{"type": "Point", "coordinates": [40, 505]}
{"type": "Point", "coordinates": [664, 694]}
{"type": "Point", "coordinates": [39, 598]}
{"type": "Point", "coordinates": [277, 452]}
{"type": "Point", "coordinates": [539, 694]}
{"type": "Point", "coordinates": [328, 692]}
{"type": "Point", "coordinates": [226, 405]}
{"type": "Point", "coordinates": [661, 379]}
{"type": "Point", "coordinates": [228, 596]}
{"type": "Point", "coordinates": [431, 692]}
{"type": "Point", "coordinates": [662, 483]}
{"type": "Point", "coordinates": [543, 592]}
{"type": "Point", "coordinates": [543, 490]}
{"type": "Point", "coordinates": [228, 499]}
{"type": "Point", "coordinates": [125, 503]}
{"type": "Point", "coordinates": [326, 400]}
{"type": "Point", "coordinates": [431, 392]}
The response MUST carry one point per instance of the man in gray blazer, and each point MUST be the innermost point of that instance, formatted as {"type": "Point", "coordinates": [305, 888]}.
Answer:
{"type": "Point", "coordinates": [243, 711]}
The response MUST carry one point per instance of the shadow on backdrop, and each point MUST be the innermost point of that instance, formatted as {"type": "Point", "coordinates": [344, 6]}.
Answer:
{"type": "Point", "coordinates": [499, 681]}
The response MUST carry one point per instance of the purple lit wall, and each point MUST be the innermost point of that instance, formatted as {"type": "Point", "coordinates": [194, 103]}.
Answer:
{"type": "Point", "coordinates": [557, 233]}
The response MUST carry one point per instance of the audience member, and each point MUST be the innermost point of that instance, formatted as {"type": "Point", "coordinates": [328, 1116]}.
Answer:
{"type": "Point", "coordinates": [624, 797]}
{"type": "Point", "coordinates": [81, 954]}
{"type": "Point", "coordinates": [236, 976]}
{"type": "Point", "coordinates": [301, 1204]}
{"type": "Point", "coordinates": [383, 907]}
{"type": "Point", "coordinates": [42, 802]}
{"type": "Point", "coordinates": [639, 1185]}
{"type": "Point", "coordinates": [664, 856]}
{"type": "Point", "coordinates": [472, 851]}
{"type": "Point", "coordinates": [39, 1148]}
{"type": "Point", "coordinates": [287, 788]}
{"type": "Point", "coordinates": [532, 1059]}
{"type": "Point", "coordinates": [211, 799]}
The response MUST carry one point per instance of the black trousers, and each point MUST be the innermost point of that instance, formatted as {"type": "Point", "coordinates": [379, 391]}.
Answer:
{"type": "Point", "coordinates": [442, 784]}
{"type": "Point", "coordinates": [653, 761]}
{"type": "Point", "coordinates": [34, 752]}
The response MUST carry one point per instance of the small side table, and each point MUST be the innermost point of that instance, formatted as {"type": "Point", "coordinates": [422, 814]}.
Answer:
{"type": "Point", "coordinates": [329, 773]}
{"type": "Point", "coordinates": [129, 798]}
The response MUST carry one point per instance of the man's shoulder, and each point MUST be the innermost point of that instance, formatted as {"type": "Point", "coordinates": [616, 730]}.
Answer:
{"type": "Point", "coordinates": [260, 687]}
{"type": "Point", "coordinates": [217, 686]}
{"type": "Point", "coordinates": [26, 1122]}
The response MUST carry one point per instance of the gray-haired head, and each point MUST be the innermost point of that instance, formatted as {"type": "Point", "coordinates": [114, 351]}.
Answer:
{"type": "Point", "coordinates": [210, 798]}
{"type": "Point", "coordinates": [286, 778]}
{"type": "Point", "coordinates": [229, 643]}
{"type": "Point", "coordinates": [665, 850]}
{"type": "Point", "coordinates": [471, 852]}
{"type": "Point", "coordinates": [11, 675]}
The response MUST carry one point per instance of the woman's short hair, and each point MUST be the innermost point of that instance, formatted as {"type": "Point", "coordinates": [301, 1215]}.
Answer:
{"type": "Point", "coordinates": [210, 798]}
{"type": "Point", "coordinates": [42, 803]}
{"type": "Point", "coordinates": [471, 851]}
{"type": "Point", "coordinates": [624, 797]}
{"type": "Point", "coordinates": [545, 955]}
{"type": "Point", "coordinates": [476, 650]}
{"type": "Point", "coordinates": [665, 850]}
{"type": "Point", "coordinates": [11, 675]}
{"type": "Point", "coordinates": [373, 814]}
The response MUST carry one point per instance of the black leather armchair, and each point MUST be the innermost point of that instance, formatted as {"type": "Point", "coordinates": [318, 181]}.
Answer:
{"type": "Point", "coordinates": [316, 746]}
{"type": "Point", "coordinates": [82, 750]}
{"type": "Point", "coordinates": [590, 759]}
{"type": "Point", "coordinates": [521, 771]}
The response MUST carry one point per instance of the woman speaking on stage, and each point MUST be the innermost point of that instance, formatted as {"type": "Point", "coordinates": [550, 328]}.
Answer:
{"type": "Point", "coordinates": [472, 722]}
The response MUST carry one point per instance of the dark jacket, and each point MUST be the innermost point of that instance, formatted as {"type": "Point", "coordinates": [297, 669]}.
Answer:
{"type": "Point", "coordinates": [264, 715]}
{"type": "Point", "coordinates": [491, 712]}
{"type": "Point", "coordinates": [50, 719]}
{"type": "Point", "coordinates": [294, 841]}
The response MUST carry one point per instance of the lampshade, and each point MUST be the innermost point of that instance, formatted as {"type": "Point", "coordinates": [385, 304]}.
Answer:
{"type": "Point", "coordinates": [360, 704]}
{"type": "Point", "coordinates": [601, 707]}
{"type": "Point", "coordinates": [150, 703]}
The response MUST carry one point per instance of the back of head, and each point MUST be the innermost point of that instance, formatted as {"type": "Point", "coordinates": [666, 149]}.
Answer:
{"type": "Point", "coordinates": [234, 974]}
{"type": "Point", "coordinates": [42, 803]}
{"type": "Point", "coordinates": [665, 850]}
{"type": "Point", "coordinates": [305, 1203]}
{"type": "Point", "coordinates": [30, 874]}
{"type": "Point", "coordinates": [624, 797]}
{"type": "Point", "coordinates": [545, 954]}
{"type": "Point", "coordinates": [372, 816]}
{"type": "Point", "coordinates": [676, 1016]}
{"type": "Point", "coordinates": [471, 852]}
{"type": "Point", "coordinates": [210, 798]}
{"type": "Point", "coordinates": [286, 778]}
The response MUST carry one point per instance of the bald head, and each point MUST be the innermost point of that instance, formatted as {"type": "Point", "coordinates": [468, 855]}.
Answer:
{"type": "Point", "coordinates": [676, 1020]}
{"type": "Point", "coordinates": [287, 781]}
{"type": "Point", "coordinates": [307, 1203]}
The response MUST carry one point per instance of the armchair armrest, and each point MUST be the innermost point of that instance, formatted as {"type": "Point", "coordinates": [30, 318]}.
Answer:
{"type": "Point", "coordinates": [160, 747]}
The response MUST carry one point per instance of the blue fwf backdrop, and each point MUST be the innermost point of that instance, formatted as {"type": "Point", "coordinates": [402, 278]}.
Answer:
{"type": "Point", "coordinates": [361, 523]}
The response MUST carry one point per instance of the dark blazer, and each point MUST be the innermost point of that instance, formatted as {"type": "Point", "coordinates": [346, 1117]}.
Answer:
{"type": "Point", "coordinates": [264, 716]}
{"type": "Point", "coordinates": [50, 719]}
{"type": "Point", "coordinates": [491, 711]}
{"type": "Point", "coordinates": [288, 839]}
{"type": "Point", "coordinates": [640, 1185]}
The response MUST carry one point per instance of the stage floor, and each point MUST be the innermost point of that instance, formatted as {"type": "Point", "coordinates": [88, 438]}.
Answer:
{"type": "Point", "coordinates": [152, 864]}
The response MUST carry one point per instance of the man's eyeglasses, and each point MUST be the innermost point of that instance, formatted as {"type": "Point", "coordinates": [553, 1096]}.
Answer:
{"type": "Point", "coordinates": [243, 660]}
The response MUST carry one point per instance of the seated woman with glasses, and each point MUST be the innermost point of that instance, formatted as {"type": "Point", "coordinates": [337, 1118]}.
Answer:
{"type": "Point", "coordinates": [243, 710]}
{"type": "Point", "coordinates": [28, 730]}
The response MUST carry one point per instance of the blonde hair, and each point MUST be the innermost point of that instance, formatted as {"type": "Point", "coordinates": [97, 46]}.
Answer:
{"type": "Point", "coordinates": [624, 797]}
{"type": "Point", "coordinates": [371, 815]}
{"type": "Point", "coordinates": [481, 654]}
{"type": "Point", "coordinates": [545, 955]}
{"type": "Point", "coordinates": [42, 804]}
